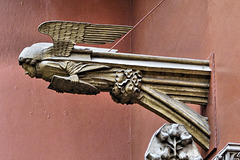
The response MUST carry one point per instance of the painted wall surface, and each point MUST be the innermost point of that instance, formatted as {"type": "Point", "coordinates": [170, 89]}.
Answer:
{"type": "Point", "coordinates": [174, 29]}
{"type": "Point", "coordinates": [39, 124]}
{"type": "Point", "coordinates": [192, 29]}
{"type": "Point", "coordinates": [223, 39]}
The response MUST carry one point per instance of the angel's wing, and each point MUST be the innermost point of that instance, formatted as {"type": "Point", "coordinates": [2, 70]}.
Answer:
{"type": "Point", "coordinates": [66, 34]}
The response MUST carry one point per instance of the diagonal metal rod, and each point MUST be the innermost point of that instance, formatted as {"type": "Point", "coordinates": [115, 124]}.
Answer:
{"type": "Point", "coordinates": [136, 25]}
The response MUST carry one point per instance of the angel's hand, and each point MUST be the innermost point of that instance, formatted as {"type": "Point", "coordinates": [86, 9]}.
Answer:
{"type": "Point", "coordinates": [74, 78]}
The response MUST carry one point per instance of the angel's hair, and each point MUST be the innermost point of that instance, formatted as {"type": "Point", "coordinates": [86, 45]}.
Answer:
{"type": "Point", "coordinates": [30, 61]}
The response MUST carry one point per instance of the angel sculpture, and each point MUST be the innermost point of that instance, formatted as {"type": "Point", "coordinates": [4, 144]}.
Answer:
{"type": "Point", "coordinates": [160, 84]}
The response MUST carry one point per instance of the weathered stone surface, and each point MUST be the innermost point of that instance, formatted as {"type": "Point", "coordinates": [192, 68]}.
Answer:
{"type": "Point", "coordinates": [160, 84]}
{"type": "Point", "coordinates": [230, 152]}
{"type": "Point", "coordinates": [172, 142]}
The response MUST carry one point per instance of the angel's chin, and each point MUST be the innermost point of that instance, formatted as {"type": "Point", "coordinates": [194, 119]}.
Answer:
{"type": "Point", "coordinates": [30, 75]}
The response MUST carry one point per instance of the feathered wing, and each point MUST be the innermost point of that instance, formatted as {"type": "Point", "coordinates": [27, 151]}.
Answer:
{"type": "Point", "coordinates": [66, 34]}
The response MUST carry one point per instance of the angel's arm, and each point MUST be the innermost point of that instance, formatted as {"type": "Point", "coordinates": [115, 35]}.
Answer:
{"type": "Point", "coordinates": [73, 69]}
{"type": "Point", "coordinates": [60, 83]}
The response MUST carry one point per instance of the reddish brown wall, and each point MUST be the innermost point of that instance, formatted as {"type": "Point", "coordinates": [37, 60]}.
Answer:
{"type": "Point", "coordinates": [174, 29]}
{"type": "Point", "coordinates": [223, 39]}
{"type": "Point", "coordinates": [191, 29]}
{"type": "Point", "coordinates": [37, 123]}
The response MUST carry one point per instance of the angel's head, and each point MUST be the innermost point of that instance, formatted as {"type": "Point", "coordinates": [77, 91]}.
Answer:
{"type": "Point", "coordinates": [34, 53]}
{"type": "Point", "coordinates": [30, 56]}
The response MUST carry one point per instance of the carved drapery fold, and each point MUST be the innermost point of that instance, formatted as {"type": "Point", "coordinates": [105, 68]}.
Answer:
{"type": "Point", "coordinates": [160, 84]}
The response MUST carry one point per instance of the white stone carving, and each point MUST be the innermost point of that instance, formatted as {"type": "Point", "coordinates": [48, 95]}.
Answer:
{"type": "Point", "coordinates": [172, 142]}
{"type": "Point", "coordinates": [230, 152]}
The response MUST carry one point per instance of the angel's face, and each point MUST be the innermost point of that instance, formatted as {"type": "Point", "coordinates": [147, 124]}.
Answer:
{"type": "Point", "coordinates": [29, 70]}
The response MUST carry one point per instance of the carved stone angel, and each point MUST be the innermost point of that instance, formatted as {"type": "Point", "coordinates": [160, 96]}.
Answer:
{"type": "Point", "coordinates": [66, 74]}
{"type": "Point", "coordinates": [160, 84]}
{"type": "Point", "coordinates": [65, 35]}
